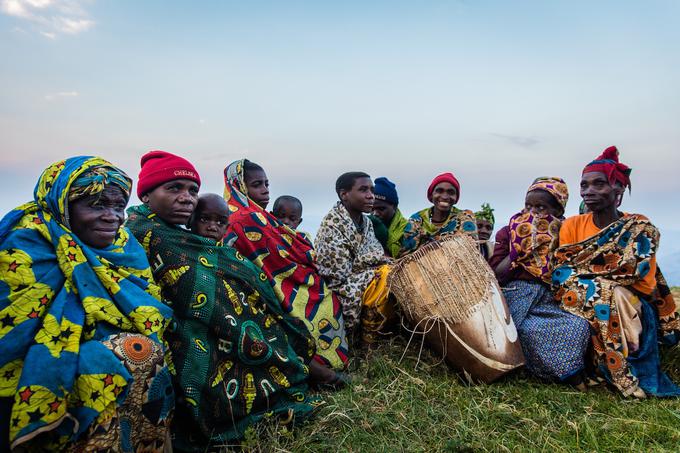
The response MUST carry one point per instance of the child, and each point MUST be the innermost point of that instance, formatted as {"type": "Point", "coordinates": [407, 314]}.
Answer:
{"type": "Point", "coordinates": [485, 222]}
{"type": "Point", "coordinates": [210, 217]}
{"type": "Point", "coordinates": [288, 210]}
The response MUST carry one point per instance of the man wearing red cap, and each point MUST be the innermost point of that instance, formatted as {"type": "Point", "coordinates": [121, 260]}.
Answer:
{"type": "Point", "coordinates": [606, 272]}
{"type": "Point", "coordinates": [443, 217]}
{"type": "Point", "coordinates": [168, 185]}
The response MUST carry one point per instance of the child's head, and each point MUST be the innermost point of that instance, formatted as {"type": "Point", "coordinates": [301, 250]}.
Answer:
{"type": "Point", "coordinates": [485, 222]}
{"type": "Point", "coordinates": [288, 210]}
{"type": "Point", "coordinates": [210, 217]}
{"type": "Point", "coordinates": [257, 183]}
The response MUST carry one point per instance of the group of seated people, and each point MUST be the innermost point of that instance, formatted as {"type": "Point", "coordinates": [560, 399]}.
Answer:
{"type": "Point", "coordinates": [192, 317]}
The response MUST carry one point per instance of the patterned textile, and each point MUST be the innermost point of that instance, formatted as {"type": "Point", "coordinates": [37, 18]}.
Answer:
{"type": "Point", "coordinates": [420, 229]}
{"type": "Point", "coordinates": [586, 276]}
{"type": "Point", "coordinates": [94, 180]}
{"type": "Point", "coordinates": [347, 259]}
{"type": "Point", "coordinates": [235, 353]}
{"type": "Point", "coordinates": [63, 307]}
{"type": "Point", "coordinates": [554, 185]}
{"type": "Point", "coordinates": [287, 259]}
{"type": "Point", "coordinates": [395, 232]}
{"type": "Point", "coordinates": [377, 312]}
{"type": "Point", "coordinates": [554, 341]}
{"type": "Point", "coordinates": [533, 238]}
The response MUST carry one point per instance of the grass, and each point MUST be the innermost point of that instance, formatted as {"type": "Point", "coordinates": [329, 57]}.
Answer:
{"type": "Point", "coordinates": [395, 406]}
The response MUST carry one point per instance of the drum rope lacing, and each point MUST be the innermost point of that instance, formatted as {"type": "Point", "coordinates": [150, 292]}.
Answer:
{"type": "Point", "coordinates": [474, 279]}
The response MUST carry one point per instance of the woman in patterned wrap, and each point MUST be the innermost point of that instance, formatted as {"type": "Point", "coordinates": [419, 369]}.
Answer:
{"type": "Point", "coordinates": [606, 273]}
{"type": "Point", "coordinates": [237, 357]}
{"type": "Point", "coordinates": [287, 258]}
{"type": "Point", "coordinates": [554, 341]}
{"type": "Point", "coordinates": [81, 361]}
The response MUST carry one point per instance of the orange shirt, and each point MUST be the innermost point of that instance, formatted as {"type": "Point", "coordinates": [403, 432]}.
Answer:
{"type": "Point", "coordinates": [581, 227]}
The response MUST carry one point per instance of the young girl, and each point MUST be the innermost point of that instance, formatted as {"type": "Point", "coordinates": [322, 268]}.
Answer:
{"type": "Point", "coordinates": [287, 259]}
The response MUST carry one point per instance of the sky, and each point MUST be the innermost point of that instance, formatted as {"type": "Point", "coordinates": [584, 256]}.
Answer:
{"type": "Point", "coordinates": [496, 92]}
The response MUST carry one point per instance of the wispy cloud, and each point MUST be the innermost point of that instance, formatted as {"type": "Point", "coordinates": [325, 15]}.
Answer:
{"type": "Point", "coordinates": [61, 95]}
{"type": "Point", "coordinates": [50, 17]}
{"type": "Point", "coordinates": [518, 140]}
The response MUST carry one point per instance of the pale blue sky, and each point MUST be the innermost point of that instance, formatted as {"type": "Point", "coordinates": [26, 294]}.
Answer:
{"type": "Point", "coordinates": [498, 92]}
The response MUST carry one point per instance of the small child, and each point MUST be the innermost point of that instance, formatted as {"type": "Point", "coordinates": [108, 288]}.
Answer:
{"type": "Point", "coordinates": [288, 210]}
{"type": "Point", "coordinates": [210, 218]}
{"type": "Point", "coordinates": [485, 222]}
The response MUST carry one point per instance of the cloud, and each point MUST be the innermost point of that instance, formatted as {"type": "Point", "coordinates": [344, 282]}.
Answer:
{"type": "Point", "coordinates": [50, 17]}
{"type": "Point", "coordinates": [524, 142]}
{"type": "Point", "coordinates": [72, 26]}
{"type": "Point", "coordinates": [61, 95]}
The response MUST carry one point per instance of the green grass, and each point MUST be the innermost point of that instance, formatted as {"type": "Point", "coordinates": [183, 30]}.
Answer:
{"type": "Point", "coordinates": [394, 406]}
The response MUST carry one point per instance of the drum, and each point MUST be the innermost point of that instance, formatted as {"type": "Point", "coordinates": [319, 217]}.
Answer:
{"type": "Point", "coordinates": [449, 293]}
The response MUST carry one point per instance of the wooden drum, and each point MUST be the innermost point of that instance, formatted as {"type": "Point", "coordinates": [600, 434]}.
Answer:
{"type": "Point", "coordinates": [448, 292]}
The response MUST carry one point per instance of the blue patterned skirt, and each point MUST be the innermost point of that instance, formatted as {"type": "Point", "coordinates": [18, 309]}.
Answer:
{"type": "Point", "coordinates": [554, 341]}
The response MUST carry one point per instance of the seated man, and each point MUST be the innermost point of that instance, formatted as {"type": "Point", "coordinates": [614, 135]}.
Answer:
{"type": "Point", "coordinates": [386, 208]}
{"type": "Point", "coordinates": [485, 223]}
{"type": "Point", "coordinates": [606, 273]}
{"type": "Point", "coordinates": [350, 258]}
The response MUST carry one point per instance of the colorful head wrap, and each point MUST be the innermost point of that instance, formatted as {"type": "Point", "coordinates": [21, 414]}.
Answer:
{"type": "Point", "coordinates": [554, 186]}
{"type": "Point", "coordinates": [95, 179]}
{"type": "Point", "coordinates": [608, 163]}
{"type": "Point", "coordinates": [486, 214]}
{"type": "Point", "coordinates": [444, 177]}
{"type": "Point", "coordinates": [159, 167]}
{"type": "Point", "coordinates": [386, 190]}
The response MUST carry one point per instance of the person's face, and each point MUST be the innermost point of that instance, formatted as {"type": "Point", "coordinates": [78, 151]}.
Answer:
{"type": "Point", "coordinates": [541, 202]}
{"type": "Point", "coordinates": [210, 219]}
{"type": "Point", "coordinates": [384, 211]}
{"type": "Point", "coordinates": [173, 201]}
{"type": "Point", "coordinates": [289, 214]}
{"type": "Point", "coordinates": [95, 219]}
{"type": "Point", "coordinates": [484, 229]}
{"type": "Point", "coordinates": [360, 198]}
{"type": "Point", "coordinates": [258, 187]}
{"type": "Point", "coordinates": [444, 196]}
{"type": "Point", "coordinates": [597, 193]}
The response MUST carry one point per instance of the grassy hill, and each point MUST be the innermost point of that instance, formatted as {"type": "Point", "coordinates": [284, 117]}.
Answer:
{"type": "Point", "coordinates": [396, 406]}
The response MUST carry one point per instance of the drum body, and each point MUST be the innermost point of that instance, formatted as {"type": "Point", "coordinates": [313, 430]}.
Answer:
{"type": "Point", "coordinates": [449, 293]}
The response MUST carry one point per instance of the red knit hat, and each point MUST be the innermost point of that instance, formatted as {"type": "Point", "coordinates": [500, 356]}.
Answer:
{"type": "Point", "coordinates": [159, 167]}
{"type": "Point", "coordinates": [444, 177]}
